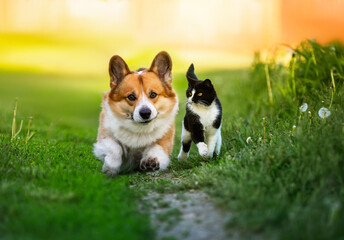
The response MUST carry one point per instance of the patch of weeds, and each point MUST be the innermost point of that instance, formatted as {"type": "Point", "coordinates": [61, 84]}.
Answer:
{"type": "Point", "coordinates": [181, 196]}
{"type": "Point", "coordinates": [160, 203]}
{"type": "Point", "coordinates": [186, 233]}
{"type": "Point", "coordinates": [170, 217]}
{"type": "Point", "coordinates": [169, 238]}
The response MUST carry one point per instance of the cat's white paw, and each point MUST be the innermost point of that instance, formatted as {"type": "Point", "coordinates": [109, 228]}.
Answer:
{"type": "Point", "coordinates": [202, 149]}
{"type": "Point", "coordinates": [182, 156]}
{"type": "Point", "coordinates": [210, 154]}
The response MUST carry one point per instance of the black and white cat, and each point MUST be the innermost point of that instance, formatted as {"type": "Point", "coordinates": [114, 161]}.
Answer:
{"type": "Point", "coordinates": [202, 121]}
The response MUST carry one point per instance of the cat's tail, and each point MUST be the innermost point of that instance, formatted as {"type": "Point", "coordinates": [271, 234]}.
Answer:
{"type": "Point", "coordinates": [190, 74]}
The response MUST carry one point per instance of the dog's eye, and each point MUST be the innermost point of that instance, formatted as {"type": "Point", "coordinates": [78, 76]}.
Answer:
{"type": "Point", "coordinates": [131, 97]}
{"type": "Point", "coordinates": [153, 95]}
{"type": "Point", "coordinates": [200, 94]}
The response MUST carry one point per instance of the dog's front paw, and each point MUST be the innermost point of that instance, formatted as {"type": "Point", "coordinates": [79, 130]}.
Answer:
{"type": "Point", "coordinates": [110, 171]}
{"type": "Point", "coordinates": [150, 164]}
{"type": "Point", "coordinates": [112, 165]}
{"type": "Point", "coordinates": [202, 149]}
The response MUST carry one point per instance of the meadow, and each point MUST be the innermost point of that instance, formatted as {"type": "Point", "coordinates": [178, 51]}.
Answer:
{"type": "Point", "coordinates": [280, 173]}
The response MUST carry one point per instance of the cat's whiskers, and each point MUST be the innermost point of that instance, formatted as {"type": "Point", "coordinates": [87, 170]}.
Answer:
{"type": "Point", "coordinates": [202, 102]}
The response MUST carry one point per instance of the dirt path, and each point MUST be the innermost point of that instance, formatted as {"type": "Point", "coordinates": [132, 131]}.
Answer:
{"type": "Point", "coordinates": [187, 216]}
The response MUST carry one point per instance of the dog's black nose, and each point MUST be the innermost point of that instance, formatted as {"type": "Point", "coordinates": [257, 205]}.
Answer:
{"type": "Point", "coordinates": [145, 113]}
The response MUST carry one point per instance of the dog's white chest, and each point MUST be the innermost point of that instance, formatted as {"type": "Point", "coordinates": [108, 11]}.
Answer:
{"type": "Point", "coordinates": [134, 135]}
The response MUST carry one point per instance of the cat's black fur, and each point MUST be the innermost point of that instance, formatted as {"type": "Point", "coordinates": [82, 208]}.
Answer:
{"type": "Point", "coordinates": [192, 121]}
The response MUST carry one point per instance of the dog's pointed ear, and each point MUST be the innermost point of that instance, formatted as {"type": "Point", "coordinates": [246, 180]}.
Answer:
{"type": "Point", "coordinates": [191, 76]}
{"type": "Point", "coordinates": [162, 66]}
{"type": "Point", "coordinates": [118, 69]}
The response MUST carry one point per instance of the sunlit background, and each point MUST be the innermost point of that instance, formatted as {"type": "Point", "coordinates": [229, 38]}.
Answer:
{"type": "Point", "coordinates": [79, 36]}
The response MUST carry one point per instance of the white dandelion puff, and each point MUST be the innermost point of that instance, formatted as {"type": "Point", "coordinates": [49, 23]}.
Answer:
{"type": "Point", "coordinates": [324, 112]}
{"type": "Point", "coordinates": [291, 52]}
{"type": "Point", "coordinates": [249, 140]}
{"type": "Point", "coordinates": [303, 107]}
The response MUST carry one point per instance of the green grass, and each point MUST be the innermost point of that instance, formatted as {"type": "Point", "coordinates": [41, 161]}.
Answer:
{"type": "Point", "coordinates": [54, 190]}
{"type": "Point", "coordinates": [291, 187]}
{"type": "Point", "coordinates": [53, 187]}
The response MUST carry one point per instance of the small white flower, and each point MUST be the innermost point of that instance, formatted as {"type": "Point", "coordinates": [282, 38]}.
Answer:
{"type": "Point", "coordinates": [249, 140]}
{"type": "Point", "coordinates": [304, 107]}
{"type": "Point", "coordinates": [324, 112]}
{"type": "Point", "coordinates": [291, 51]}
{"type": "Point", "coordinates": [294, 127]}
{"type": "Point", "coordinates": [196, 183]}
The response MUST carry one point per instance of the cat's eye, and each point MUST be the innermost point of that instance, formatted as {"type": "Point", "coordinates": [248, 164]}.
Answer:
{"type": "Point", "coordinates": [131, 97]}
{"type": "Point", "coordinates": [200, 94]}
{"type": "Point", "coordinates": [189, 93]}
{"type": "Point", "coordinates": [153, 95]}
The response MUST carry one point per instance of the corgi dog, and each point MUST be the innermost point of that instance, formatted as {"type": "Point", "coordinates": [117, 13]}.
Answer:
{"type": "Point", "coordinates": [136, 125]}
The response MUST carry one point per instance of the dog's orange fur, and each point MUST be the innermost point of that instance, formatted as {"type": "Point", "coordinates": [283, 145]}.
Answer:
{"type": "Point", "coordinates": [166, 142]}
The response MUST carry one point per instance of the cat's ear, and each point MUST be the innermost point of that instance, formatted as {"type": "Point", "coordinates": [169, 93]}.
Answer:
{"type": "Point", "coordinates": [207, 83]}
{"type": "Point", "coordinates": [162, 66]}
{"type": "Point", "coordinates": [118, 69]}
{"type": "Point", "coordinates": [191, 76]}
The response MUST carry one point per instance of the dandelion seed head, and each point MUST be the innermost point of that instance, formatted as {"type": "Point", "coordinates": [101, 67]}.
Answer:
{"type": "Point", "coordinates": [249, 140]}
{"type": "Point", "coordinates": [324, 112]}
{"type": "Point", "coordinates": [303, 107]}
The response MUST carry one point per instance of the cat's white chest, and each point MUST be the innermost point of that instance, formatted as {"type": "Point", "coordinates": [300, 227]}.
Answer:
{"type": "Point", "coordinates": [207, 114]}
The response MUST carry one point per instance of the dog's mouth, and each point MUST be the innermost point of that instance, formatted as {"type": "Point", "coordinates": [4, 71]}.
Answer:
{"type": "Point", "coordinates": [145, 122]}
